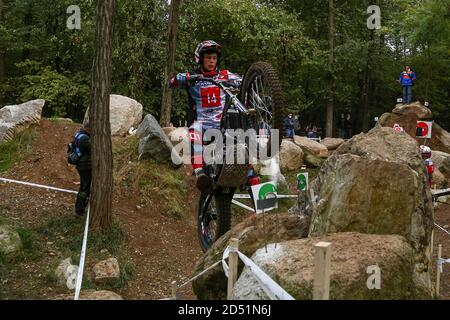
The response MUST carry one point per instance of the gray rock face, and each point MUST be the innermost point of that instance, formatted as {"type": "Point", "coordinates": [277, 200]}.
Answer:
{"type": "Point", "coordinates": [180, 140]}
{"type": "Point", "coordinates": [124, 113]}
{"type": "Point", "coordinates": [417, 108]}
{"type": "Point", "coordinates": [312, 146]}
{"type": "Point", "coordinates": [107, 270]}
{"type": "Point", "coordinates": [375, 183]}
{"type": "Point", "coordinates": [66, 274]}
{"type": "Point", "coordinates": [332, 143]}
{"type": "Point", "coordinates": [311, 160]}
{"type": "Point", "coordinates": [291, 156]}
{"type": "Point", "coordinates": [440, 139]}
{"type": "Point", "coordinates": [154, 144]}
{"type": "Point", "coordinates": [407, 115]}
{"type": "Point", "coordinates": [16, 118]}
{"type": "Point", "coordinates": [9, 240]}
{"type": "Point", "coordinates": [291, 265]}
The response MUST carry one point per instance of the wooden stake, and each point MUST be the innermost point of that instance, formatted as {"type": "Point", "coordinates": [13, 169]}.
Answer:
{"type": "Point", "coordinates": [432, 243]}
{"type": "Point", "coordinates": [322, 271]}
{"type": "Point", "coordinates": [438, 271]}
{"type": "Point", "coordinates": [233, 267]}
{"type": "Point", "coordinates": [174, 290]}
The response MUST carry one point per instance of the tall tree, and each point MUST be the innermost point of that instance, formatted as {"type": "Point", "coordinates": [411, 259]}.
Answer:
{"type": "Point", "coordinates": [367, 82]}
{"type": "Point", "coordinates": [330, 103]}
{"type": "Point", "coordinates": [102, 179]}
{"type": "Point", "coordinates": [2, 61]}
{"type": "Point", "coordinates": [166, 105]}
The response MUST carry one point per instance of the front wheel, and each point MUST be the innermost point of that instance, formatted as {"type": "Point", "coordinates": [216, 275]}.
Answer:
{"type": "Point", "coordinates": [214, 217]}
{"type": "Point", "coordinates": [263, 95]}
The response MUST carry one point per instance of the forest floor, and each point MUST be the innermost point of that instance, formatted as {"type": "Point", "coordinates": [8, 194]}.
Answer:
{"type": "Point", "coordinates": [153, 249]}
{"type": "Point", "coordinates": [154, 234]}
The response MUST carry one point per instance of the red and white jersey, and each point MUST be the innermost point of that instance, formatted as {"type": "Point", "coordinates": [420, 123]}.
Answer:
{"type": "Point", "coordinates": [209, 100]}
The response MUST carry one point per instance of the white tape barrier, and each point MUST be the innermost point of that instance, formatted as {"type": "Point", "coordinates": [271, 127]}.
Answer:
{"type": "Point", "coordinates": [82, 257]}
{"type": "Point", "coordinates": [243, 205]}
{"type": "Point", "coordinates": [247, 196]}
{"type": "Point", "coordinates": [440, 191]}
{"type": "Point", "coordinates": [270, 287]}
{"type": "Point", "coordinates": [86, 228]}
{"type": "Point", "coordinates": [38, 185]}
{"type": "Point", "coordinates": [441, 263]}
{"type": "Point", "coordinates": [441, 228]}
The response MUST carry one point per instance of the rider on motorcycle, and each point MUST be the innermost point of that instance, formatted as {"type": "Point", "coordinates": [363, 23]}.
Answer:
{"type": "Point", "coordinates": [425, 152]}
{"type": "Point", "coordinates": [206, 102]}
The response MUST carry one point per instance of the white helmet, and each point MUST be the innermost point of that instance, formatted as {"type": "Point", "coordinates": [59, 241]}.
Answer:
{"type": "Point", "coordinates": [425, 152]}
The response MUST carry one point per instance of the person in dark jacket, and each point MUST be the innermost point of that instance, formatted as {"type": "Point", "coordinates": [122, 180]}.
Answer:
{"type": "Point", "coordinates": [84, 169]}
{"type": "Point", "coordinates": [407, 79]}
{"type": "Point", "coordinates": [289, 126]}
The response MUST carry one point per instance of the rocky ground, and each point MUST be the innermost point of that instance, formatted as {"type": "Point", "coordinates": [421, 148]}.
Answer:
{"type": "Point", "coordinates": [160, 248]}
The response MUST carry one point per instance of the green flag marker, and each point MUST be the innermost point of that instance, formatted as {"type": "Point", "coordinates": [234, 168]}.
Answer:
{"type": "Point", "coordinates": [265, 189]}
{"type": "Point", "coordinates": [302, 181]}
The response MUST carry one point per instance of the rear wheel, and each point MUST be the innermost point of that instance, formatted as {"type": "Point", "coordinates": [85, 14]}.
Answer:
{"type": "Point", "coordinates": [262, 94]}
{"type": "Point", "coordinates": [214, 217]}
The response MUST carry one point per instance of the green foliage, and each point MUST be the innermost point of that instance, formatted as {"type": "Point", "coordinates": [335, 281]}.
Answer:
{"type": "Point", "coordinates": [44, 59]}
{"type": "Point", "coordinates": [157, 184]}
{"type": "Point", "coordinates": [13, 151]}
{"type": "Point", "coordinates": [67, 234]}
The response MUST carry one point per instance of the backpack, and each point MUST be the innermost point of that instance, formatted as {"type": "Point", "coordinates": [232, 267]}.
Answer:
{"type": "Point", "coordinates": [73, 149]}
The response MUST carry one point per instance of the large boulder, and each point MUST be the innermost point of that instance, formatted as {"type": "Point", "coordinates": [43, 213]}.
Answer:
{"type": "Point", "coordinates": [311, 160]}
{"type": "Point", "coordinates": [179, 135]}
{"type": "Point", "coordinates": [252, 236]}
{"type": "Point", "coordinates": [154, 144]}
{"type": "Point", "coordinates": [168, 130]}
{"type": "Point", "coordinates": [106, 271]}
{"type": "Point", "coordinates": [407, 115]}
{"type": "Point", "coordinates": [439, 180]}
{"type": "Point", "coordinates": [291, 156]}
{"type": "Point", "coordinates": [440, 139]}
{"type": "Point", "coordinates": [375, 183]}
{"type": "Point", "coordinates": [10, 241]}
{"type": "Point", "coordinates": [291, 265]}
{"type": "Point", "coordinates": [407, 121]}
{"type": "Point", "coordinates": [441, 161]}
{"type": "Point", "coordinates": [416, 108]}
{"type": "Point", "coordinates": [66, 273]}
{"type": "Point", "coordinates": [311, 146]}
{"type": "Point", "coordinates": [124, 113]}
{"type": "Point", "coordinates": [16, 118]}
{"type": "Point", "coordinates": [332, 143]}
{"type": "Point", "coordinates": [180, 140]}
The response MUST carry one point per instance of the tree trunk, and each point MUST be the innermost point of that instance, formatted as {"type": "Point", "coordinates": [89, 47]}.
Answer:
{"type": "Point", "coordinates": [28, 22]}
{"type": "Point", "coordinates": [330, 104]}
{"type": "Point", "coordinates": [2, 57]}
{"type": "Point", "coordinates": [367, 84]}
{"type": "Point", "coordinates": [166, 105]}
{"type": "Point", "coordinates": [429, 70]}
{"type": "Point", "coordinates": [102, 179]}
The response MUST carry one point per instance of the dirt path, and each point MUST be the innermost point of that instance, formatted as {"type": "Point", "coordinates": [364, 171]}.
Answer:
{"type": "Point", "coordinates": [162, 249]}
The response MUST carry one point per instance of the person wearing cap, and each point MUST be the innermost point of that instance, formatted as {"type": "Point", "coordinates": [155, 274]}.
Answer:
{"type": "Point", "coordinates": [84, 168]}
{"type": "Point", "coordinates": [407, 79]}
{"type": "Point", "coordinates": [206, 102]}
{"type": "Point", "coordinates": [289, 126]}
